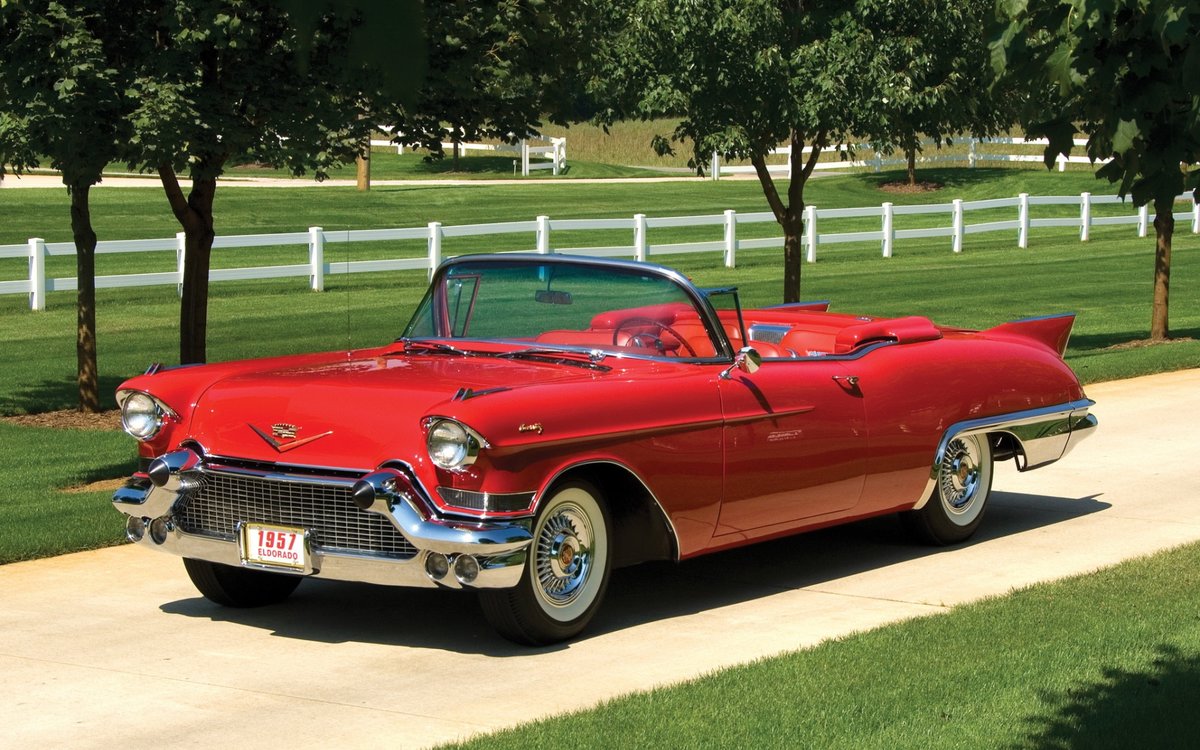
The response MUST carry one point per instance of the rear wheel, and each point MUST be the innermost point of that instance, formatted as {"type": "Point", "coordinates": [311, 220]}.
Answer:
{"type": "Point", "coordinates": [239, 587]}
{"type": "Point", "coordinates": [960, 493]}
{"type": "Point", "coordinates": [565, 575]}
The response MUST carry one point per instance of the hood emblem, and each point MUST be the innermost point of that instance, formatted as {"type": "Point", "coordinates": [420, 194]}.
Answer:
{"type": "Point", "coordinates": [286, 433]}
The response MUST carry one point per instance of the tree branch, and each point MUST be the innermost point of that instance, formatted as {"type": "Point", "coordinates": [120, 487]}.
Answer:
{"type": "Point", "coordinates": [175, 196]}
{"type": "Point", "coordinates": [768, 186]}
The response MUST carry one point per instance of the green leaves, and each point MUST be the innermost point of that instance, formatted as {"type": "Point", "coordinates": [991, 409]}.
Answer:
{"type": "Point", "coordinates": [1123, 138]}
{"type": "Point", "coordinates": [1127, 73]}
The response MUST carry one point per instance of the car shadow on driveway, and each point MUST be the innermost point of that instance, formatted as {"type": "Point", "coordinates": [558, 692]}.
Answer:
{"type": "Point", "coordinates": [338, 612]}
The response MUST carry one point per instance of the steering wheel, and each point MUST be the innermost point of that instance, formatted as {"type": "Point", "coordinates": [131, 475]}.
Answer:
{"type": "Point", "coordinates": [655, 338]}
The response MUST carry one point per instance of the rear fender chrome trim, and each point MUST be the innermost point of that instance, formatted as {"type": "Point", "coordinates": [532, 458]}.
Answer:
{"type": "Point", "coordinates": [1043, 435]}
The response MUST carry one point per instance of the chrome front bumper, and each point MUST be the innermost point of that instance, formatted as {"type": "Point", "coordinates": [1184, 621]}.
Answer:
{"type": "Point", "coordinates": [153, 500]}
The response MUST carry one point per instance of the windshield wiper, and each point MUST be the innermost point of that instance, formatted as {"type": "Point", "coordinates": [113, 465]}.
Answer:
{"type": "Point", "coordinates": [590, 359]}
{"type": "Point", "coordinates": [411, 345]}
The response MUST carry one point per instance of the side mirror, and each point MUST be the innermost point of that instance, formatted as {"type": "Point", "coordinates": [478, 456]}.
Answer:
{"type": "Point", "coordinates": [748, 360]}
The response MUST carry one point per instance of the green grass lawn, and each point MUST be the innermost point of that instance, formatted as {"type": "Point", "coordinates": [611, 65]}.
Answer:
{"type": "Point", "coordinates": [1109, 660]}
{"type": "Point", "coordinates": [39, 517]}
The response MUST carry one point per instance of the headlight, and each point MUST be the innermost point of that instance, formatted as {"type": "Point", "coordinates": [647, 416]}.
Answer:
{"type": "Point", "coordinates": [452, 444]}
{"type": "Point", "coordinates": [142, 415]}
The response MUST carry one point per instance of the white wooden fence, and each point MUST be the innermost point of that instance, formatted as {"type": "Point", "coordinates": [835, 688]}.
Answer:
{"type": "Point", "coordinates": [973, 156]}
{"type": "Point", "coordinates": [38, 285]}
{"type": "Point", "coordinates": [555, 151]}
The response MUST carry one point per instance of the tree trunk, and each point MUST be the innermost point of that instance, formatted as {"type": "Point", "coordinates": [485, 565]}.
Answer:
{"type": "Point", "coordinates": [793, 255]}
{"type": "Point", "coordinates": [195, 215]}
{"type": "Point", "coordinates": [455, 164]}
{"type": "Point", "coordinates": [363, 163]}
{"type": "Point", "coordinates": [1164, 228]}
{"type": "Point", "coordinates": [790, 215]}
{"type": "Point", "coordinates": [87, 370]}
{"type": "Point", "coordinates": [911, 155]}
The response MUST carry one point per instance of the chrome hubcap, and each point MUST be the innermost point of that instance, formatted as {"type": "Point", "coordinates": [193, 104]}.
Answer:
{"type": "Point", "coordinates": [960, 475]}
{"type": "Point", "coordinates": [564, 554]}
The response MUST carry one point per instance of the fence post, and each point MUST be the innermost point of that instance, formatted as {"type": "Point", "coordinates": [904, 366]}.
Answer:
{"type": "Point", "coordinates": [524, 158]}
{"type": "Point", "coordinates": [1085, 216]}
{"type": "Point", "coordinates": [810, 230]}
{"type": "Point", "coordinates": [1023, 220]}
{"type": "Point", "coordinates": [971, 152]}
{"type": "Point", "coordinates": [714, 169]}
{"type": "Point", "coordinates": [731, 242]}
{"type": "Point", "coordinates": [957, 222]}
{"type": "Point", "coordinates": [37, 274]}
{"type": "Point", "coordinates": [877, 162]}
{"type": "Point", "coordinates": [435, 246]}
{"type": "Point", "coordinates": [557, 155]}
{"type": "Point", "coordinates": [1062, 163]}
{"type": "Point", "coordinates": [889, 230]}
{"type": "Point", "coordinates": [640, 244]}
{"type": "Point", "coordinates": [543, 235]}
{"type": "Point", "coordinates": [1195, 217]}
{"type": "Point", "coordinates": [316, 259]}
{"type": "Point", "coordinates": [1143, 219]}
{"type": "Point", "coordinates": [180, 253]}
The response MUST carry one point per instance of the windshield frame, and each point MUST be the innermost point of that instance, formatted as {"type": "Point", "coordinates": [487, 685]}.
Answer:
{"type": "Point", "coordinates": [434, 307]}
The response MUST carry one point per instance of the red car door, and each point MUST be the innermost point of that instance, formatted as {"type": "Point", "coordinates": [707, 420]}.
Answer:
{"type": "Point", "coordinates": [795, 439]}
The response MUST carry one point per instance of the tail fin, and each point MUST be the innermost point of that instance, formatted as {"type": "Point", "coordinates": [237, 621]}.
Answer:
{"type": "Point", "coordinates": [1051, 331]}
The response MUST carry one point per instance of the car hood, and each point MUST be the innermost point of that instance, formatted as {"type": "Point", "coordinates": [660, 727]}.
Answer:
{"type": "Point", "coordinates": [355, 413]}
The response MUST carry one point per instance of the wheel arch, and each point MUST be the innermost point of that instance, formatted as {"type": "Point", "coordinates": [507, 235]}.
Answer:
{"type": "Point", "coordinates": [641, 531]}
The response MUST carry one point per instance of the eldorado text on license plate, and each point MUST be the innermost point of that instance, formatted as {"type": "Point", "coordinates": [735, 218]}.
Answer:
{"type": "Point", "coordinates": [274, 546]}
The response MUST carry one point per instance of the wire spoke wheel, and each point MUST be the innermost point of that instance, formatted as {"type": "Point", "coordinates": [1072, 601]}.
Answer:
{"type": "Point", "coordinates": [961, 488]}
{"type": "Point", "coordinates": [566, 573]}
{"type": "Point", "coordinates": [564, 555]}
{"type": "Point", "coordinates": [959, 477]}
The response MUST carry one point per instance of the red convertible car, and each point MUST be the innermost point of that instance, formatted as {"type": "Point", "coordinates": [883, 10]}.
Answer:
{"type": "Point", "coordinates": [544, 419]}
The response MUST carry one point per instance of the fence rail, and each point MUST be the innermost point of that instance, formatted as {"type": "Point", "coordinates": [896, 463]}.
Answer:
{"type": "Point", "coordinates": [38, 285]}
{"type": "Point", "coordinates": [973, 156]}
{"type": "Point", "coordinates": [555, 152]}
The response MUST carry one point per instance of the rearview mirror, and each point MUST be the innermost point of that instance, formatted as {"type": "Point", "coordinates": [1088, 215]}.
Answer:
{"type": "Point", "coordinates": [748, 360]}
{"type": "Point", "coordinates": [549, 297]}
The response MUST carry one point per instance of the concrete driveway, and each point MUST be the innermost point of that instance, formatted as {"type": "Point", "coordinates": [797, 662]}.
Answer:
{"type": "Point", "coordinates": [115, 648]}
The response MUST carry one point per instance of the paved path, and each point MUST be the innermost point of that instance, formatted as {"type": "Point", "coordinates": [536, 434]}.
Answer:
{"type": "Point", "coordinates": [114, 648]}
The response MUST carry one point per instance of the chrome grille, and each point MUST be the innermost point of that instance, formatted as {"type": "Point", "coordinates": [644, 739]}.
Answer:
{"type": "Point", "coordinates": [326, 510]}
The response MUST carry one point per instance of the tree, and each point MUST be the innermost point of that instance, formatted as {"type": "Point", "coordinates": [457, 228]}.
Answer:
{"type": "Point", "coordinates": [231, 81]}
{"type": "Point", "coordinates": [945, 88]}
{"type": "Point", "coordinates": [747, 75]}
{"type": "Point", "coordinates": [496, 67]}
{"type": "Point", "coordinates": [1127, 74]}
{"type": "Point", "coordinates": [62, 81]}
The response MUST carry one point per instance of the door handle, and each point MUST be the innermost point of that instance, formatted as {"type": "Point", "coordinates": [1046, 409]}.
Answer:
{"type": "Point", "coordinates": [846, 380]}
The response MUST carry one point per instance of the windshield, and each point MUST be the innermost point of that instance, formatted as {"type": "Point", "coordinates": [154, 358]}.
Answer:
{"type": "Point", "coordinates": [564, 304]}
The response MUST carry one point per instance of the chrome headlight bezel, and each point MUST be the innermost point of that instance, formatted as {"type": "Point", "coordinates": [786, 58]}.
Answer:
{"type": "Point", "coordinates": [452, 445]}
{"type": "Point", "coordinates": [143, 415]}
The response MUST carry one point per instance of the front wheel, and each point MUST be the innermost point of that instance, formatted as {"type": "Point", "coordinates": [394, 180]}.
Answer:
{"type": "Point", "coordinates": [960, 493]}
{"type": "Point", "coordinates": [566, 572]}
{"type": "Point", "coordinates": [239, 587]}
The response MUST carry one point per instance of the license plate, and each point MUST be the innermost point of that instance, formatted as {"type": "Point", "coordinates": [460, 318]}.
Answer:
{"type": "Point", "coordinates": [274, 546]}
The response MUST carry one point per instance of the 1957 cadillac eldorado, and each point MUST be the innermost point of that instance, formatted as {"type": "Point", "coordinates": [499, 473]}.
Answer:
{"type": "Point", "coordinates": [544, 419]}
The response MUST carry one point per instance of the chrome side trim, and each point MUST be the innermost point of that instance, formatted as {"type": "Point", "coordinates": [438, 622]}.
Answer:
{"type": "Point", "coordinates": [1043, 435]}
